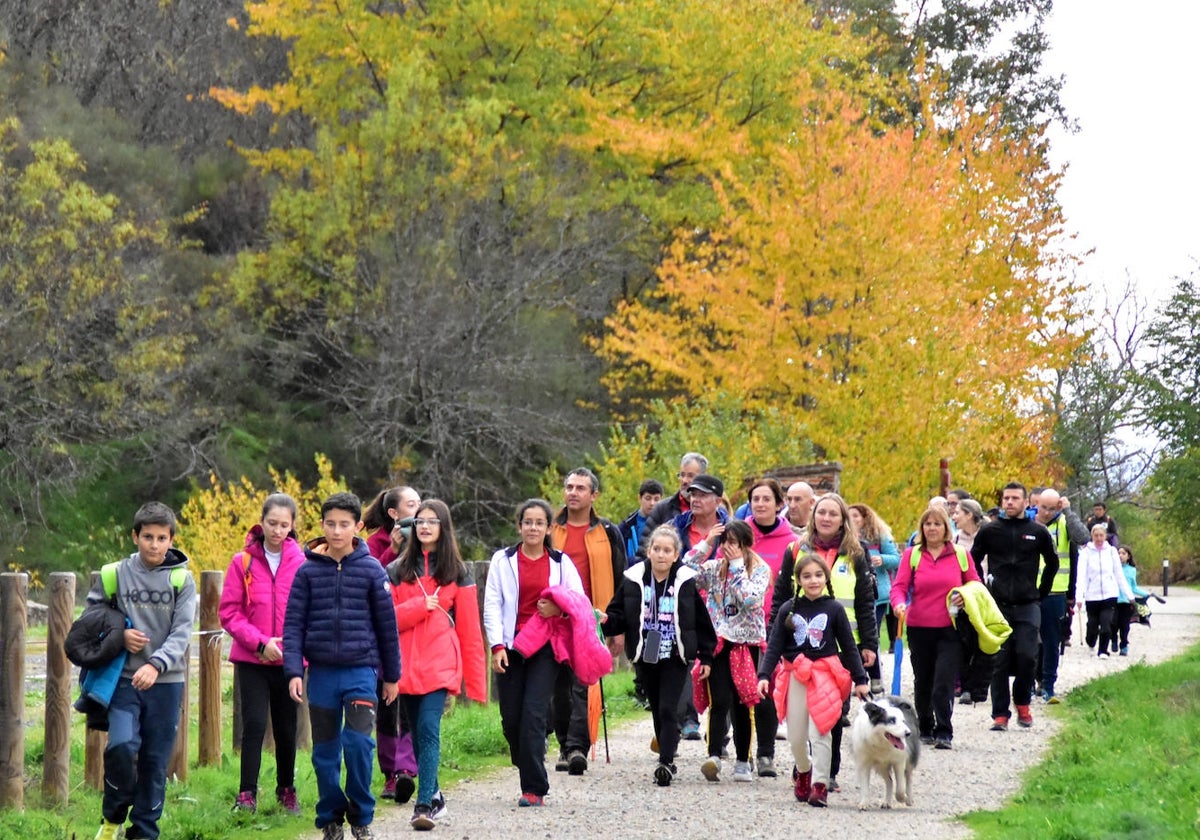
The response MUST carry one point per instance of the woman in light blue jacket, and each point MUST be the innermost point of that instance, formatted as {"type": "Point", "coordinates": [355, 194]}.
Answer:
{"type": "Point", "coordinates": [885, 560]}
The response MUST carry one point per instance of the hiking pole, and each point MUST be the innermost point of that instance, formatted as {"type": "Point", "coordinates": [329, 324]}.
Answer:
{"type": "Point", "coordinates": [604, 721]}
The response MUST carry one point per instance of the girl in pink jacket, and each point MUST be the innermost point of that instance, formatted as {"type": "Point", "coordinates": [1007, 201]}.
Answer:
{"type": "Point", "coordinates": [253, 604]}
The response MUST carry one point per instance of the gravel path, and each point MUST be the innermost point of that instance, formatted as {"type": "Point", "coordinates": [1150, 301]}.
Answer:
{"type": "Point", "coordinates": [620, 798]}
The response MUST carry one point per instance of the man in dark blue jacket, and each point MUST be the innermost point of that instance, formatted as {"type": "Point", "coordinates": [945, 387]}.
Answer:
{"type": "Point", "coordinates": [340, 618]}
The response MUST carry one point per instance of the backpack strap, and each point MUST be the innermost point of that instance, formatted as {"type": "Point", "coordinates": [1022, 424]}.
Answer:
{"type": "Point", "coordinates": [108, 577]}
{"type": "Point", "coordinates": [247, 578]}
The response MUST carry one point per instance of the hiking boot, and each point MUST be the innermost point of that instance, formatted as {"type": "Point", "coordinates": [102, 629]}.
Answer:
{"type": "Point", "coordinates": [422, 818]}
{"type": "Point", "coordinates": [999, 724]}
{"type": "Point", "coordinates": [766, 767]}
{"type": "Point", "coordinates": [362, 832]}
{"type": "Point", "coordinates": [1024, 716]}
{"type": "Point", "coordinates": [332, 831]}
{"type": "Point", "coordinates": [576, 763]}
{"type": "Point", "coordinates": [110, 831]}
{"type": "Point", "coordinates": [437, 808]}
{"type": "Point", "coordinates": [561, 764]}
{"type": "Point", "coordinates": [711, 768]}
{"type": "Point", "coordinates": [531, 800]}
{"type": "Point", "coordinates": [818, 796]}
{"type": "Point", "coordinates": [802, 783]}
{"type": "Point", "coordinates": [286, 797]}
{"type": "Point", "coordinates": [389, 786]}
{"type": "Point", "coordinates": [664, 774]}
{"type": "Point", "coordinates": [245, 801]}
{"type": "Point", "coordinates": [742, 772]}
{"type": "Point", "coordinates": [405, 787]}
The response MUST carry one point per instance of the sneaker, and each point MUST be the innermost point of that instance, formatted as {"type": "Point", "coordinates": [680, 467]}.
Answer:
{"type": "Point", "coordinates": [531, 800]}
{"type": "Point", "coordinates": [833, 786]}
{"type": "Point", "coordinates": [362, 832]}
{"type": "Point", "coordinates": [818, 796]}
{"type": "Point", "coordinates": [405, 787]}
{"type": "Point", "coordinates": [802, 783]}
{"type": "Point", "coordinates": [1124, 650]}
{"type": "Point", "coordinates": [781, 732]}
{"type": "Point", "coordinates": [711, 768]}
{"type": "Point", "coordinates": [422, 818]}
{"type": "Point", "coordinates": [965, 699]}
{"type": "Point", "coordinates": [1102, 654]}
{"type": "Point", "coordinates": [877, 687]}
{"type": "Point", "coordinates": [927, 740]}
{"type": "Point", "coordinates": [690, 731]}
{"type": "Point", "coordinates": [561, 765]}
{"type": "Point", "coordinates": [1052, 700]}
{"type": "Point", "coordinates": [999, 724]}
{"type": "Point", "coordinates": [110, 831]}
{"type": "Point", "coordinates": [576, 763]}
{"type": "Point", "coordinates": [942, 744]}
{"type": "Point", "coordinates": [286, 797]}
{"type": "Point", "coordinates": [664, 774]}
{"type": "Point", "coordinates": [437, 808]}
{"type": "Point", "coordinates": [742, 772]}
{"type": "Point", "coordinates": [1024, 716]}
{"type": "Point", "coordinates": [245, 801]}
{"type": "Point", "coordinates": [766, 767]}
{"type": "Point", "coordinates": [332, 831]}
{"type": "Point", "coordinates": [389, 786]}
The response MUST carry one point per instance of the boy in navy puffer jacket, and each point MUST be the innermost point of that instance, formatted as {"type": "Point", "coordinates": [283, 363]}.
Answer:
{"type": "Point", "coordinates": [340, 618]}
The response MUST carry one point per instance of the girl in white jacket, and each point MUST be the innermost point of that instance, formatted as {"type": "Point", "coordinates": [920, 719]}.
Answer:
{"type": "Point", "coordinates": [1097, 584]}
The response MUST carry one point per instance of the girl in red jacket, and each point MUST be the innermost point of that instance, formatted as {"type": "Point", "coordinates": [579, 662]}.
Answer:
{"type": "Point", "coordinates": [437, 615]}
{"type": "Point", "coordinates": [253, 603]}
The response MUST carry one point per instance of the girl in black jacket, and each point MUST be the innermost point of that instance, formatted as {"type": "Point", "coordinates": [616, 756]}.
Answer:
{"type": "Point", "coordinates": [658, 616]}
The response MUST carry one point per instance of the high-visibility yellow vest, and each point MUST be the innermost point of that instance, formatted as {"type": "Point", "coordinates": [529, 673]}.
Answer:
{"type": "Point", "coordinates": [844, 580]}
{"type": "Point", "coordinates": [1062, 547]}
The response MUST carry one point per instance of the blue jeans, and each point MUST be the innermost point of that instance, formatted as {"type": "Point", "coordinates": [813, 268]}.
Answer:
{"type": "Point", "coordinates": [425, 716]}
{"type": "Point", "coordinates": [341, 706]}
{"type": "Point", "coordinates": [141, 737]}
{"type": "Point", "coordinates": [1054, 607]}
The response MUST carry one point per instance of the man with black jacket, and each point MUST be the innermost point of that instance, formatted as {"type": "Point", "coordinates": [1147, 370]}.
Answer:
{"type": "Point", "coordinates": [1013, 546]}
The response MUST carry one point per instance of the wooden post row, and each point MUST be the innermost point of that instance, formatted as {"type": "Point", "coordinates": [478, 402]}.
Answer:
{"type": "Point", "coordinates": [209, 752]}
{"type": "Point", "coordinates": [56, 764]}
{"type": "Point", "coordinates": [14, 596]}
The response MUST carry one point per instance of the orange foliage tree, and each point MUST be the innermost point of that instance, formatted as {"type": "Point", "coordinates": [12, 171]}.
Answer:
{"type": "Point", "coordinates": [894, 291]}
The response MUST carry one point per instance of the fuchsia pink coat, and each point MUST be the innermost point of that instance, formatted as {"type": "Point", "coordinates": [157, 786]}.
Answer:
{"type": "Point", "coordinates": [572, 636]}
{"type": "Point", "coordinates": [253, 602]}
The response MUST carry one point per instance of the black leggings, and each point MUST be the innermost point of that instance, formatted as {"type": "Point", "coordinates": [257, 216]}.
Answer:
{"type": "Point", "coordinates": [262, 687]}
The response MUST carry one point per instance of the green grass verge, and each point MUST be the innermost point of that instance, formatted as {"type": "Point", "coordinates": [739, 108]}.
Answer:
{"type": "Point", "coordinates": [199, 809]}
{"type": "Point", "coordinates": [1126, 763]}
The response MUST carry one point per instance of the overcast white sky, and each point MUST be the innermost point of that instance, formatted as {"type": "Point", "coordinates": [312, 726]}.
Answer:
{"type": "Point", "coordinates": [1133, 184]}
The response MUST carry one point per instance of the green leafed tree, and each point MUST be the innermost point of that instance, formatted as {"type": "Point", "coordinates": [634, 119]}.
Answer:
{"type": "Point", "coordinates": [89, 347]}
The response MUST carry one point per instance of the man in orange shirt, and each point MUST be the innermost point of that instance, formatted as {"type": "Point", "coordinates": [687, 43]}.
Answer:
{"type": "Point", "coordinates": [595, 546]}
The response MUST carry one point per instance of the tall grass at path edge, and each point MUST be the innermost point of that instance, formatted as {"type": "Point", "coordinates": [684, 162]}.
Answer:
{"type": "Point", "coordinates": [1126, 763]}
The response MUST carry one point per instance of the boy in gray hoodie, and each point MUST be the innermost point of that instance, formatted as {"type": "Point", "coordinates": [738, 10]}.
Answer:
{"type": "Point", "coordinates": [144, 712]}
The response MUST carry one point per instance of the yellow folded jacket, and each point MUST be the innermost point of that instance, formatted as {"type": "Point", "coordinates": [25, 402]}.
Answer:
{"type": "Point", "coordinates": [984, 615]}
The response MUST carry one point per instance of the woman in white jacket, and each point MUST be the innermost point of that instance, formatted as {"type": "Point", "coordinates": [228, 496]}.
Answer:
{"type": "Point", "coordinates": [1098, 583]}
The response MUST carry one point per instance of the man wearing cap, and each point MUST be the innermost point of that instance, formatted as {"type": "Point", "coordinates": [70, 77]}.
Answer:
{"type": "Point", "coordinates": [704, 511]}
{"type": "Point", "coordinates": [691, 465]}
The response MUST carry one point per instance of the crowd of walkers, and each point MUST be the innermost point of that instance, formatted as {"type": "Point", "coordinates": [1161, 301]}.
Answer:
{"type": "Point", "coordinates": [767, 618]}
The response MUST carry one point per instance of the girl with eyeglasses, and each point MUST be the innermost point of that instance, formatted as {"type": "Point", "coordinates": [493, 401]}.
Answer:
{"type": "Point", "coordinates": [437, 615]}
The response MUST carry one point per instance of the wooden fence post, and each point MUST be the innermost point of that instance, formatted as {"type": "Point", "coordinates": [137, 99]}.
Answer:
{"type": "Point", "coordinates": [210, 667]}
{"type": "Point", "coordinates": [94, 740]}
{"type": "Point", "coordinates": [56, 764]}
{"type": "Point", "coordinates": [14, 601]}
{"type": "Point", "coordinates": [177, 768]}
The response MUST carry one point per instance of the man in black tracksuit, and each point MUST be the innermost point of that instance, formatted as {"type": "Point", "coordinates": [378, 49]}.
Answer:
{"type": "Point", "coordinates": [1013, 546]}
